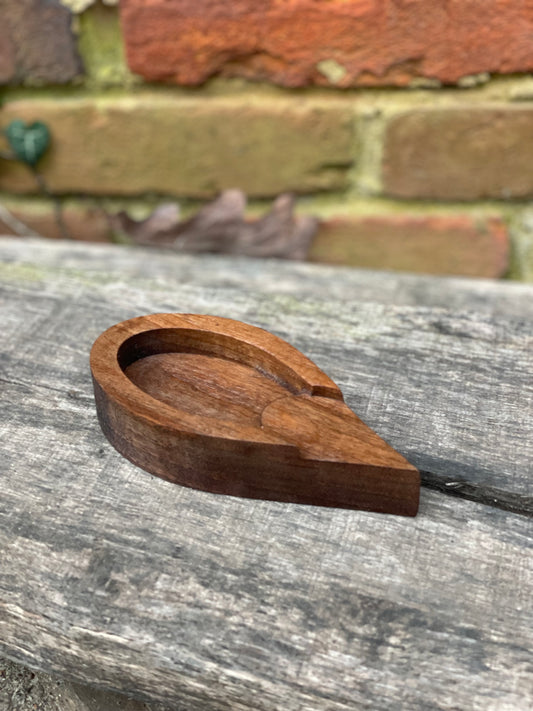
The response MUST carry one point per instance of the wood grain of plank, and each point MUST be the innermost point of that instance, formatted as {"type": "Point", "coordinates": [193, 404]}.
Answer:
{"type": "Point", "coordinates": [114, 577]}
{"type": "Point", "coordinates": [154, 268]}
{"type": "Point", "coordinates": [452, 392]}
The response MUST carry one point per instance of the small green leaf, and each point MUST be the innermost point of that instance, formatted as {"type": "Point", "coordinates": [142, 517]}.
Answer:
{"type": "Point", "coordinates": [28, 141]}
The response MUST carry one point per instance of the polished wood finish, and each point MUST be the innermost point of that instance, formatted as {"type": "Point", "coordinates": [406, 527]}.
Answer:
{"type": "Point", "coordinates": [226, 407]}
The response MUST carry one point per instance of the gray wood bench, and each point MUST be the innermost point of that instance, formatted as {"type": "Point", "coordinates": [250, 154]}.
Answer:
{"type": "Point", "coordinates": [117, 579]}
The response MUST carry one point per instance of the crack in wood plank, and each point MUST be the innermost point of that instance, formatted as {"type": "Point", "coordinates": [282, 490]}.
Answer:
{"type": "Point", "coordinates": [520, 504]}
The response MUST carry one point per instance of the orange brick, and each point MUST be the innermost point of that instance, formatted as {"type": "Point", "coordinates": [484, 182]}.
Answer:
{"type": "Point", "coordinates": [458, 245]}
{"type": "Point", "coordinates": [345, 42]}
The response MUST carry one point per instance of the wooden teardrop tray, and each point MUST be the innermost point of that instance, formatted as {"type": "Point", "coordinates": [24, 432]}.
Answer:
{"type": "Point", "coordinates": [226, 407]}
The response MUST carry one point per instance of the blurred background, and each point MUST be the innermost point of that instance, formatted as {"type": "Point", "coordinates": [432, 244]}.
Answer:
{"type": "Point", "coordinates": [389, 134]}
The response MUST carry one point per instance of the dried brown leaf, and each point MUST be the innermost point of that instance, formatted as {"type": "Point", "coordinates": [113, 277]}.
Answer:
{"type": "Point", "coordinates": [221, 227]}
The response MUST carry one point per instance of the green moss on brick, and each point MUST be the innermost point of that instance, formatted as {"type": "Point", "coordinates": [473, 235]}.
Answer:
{"type": "Point", "coordinates": [521, 231]}
{"type": "Point", "coordinates": [101, 47]}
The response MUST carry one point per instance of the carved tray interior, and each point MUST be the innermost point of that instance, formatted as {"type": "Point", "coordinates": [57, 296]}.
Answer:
{"type": "Point", "coordinates": [168, 367]}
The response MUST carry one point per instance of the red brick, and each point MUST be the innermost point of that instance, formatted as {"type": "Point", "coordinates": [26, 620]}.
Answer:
{"type": "Point", "coordinates": [371, 42]}
{"type": "Point", "coordinates": [460, 154]}
{"type": "Point", "coordinates": [428, 244]}
{"type": "Point", "coordinates": [458, 245]}
{"type": "Point", "coordinates": [36, 42]}
{"type": "Point", "coordinates": [7, 56]}
{"type": "Point", "coordinates": [87, 223]}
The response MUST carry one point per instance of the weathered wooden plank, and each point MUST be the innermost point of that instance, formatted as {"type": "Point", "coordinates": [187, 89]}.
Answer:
{"type": "Point", "coordinates": [275, 277]}
{"type": "Point", "coordinates": [451, 392]}
{"type": "Point", "coordinates": [232, 605]}
{"type": "Point", "coordinates": [112, 576]}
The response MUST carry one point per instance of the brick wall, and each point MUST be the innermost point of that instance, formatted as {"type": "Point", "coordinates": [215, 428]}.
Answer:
{"type": "Point", "coordinates": [406, 126]}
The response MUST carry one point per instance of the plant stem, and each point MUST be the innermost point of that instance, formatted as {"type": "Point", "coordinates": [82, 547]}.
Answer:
{"type": "Point", "coordinates": [58, 211]}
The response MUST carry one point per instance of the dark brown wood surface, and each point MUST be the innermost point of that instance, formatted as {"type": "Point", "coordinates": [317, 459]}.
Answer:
{"type": "Point", "coordinates": [230, 408]}
{"type": "Point", "coordinates": [112, 577]}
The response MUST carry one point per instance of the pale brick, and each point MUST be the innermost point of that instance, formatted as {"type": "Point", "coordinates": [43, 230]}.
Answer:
{"type": "Point", "coordinates": [162, 143]}
{"type": "Point", "coordinates": [468, 153]}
